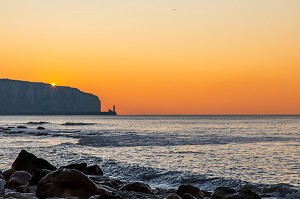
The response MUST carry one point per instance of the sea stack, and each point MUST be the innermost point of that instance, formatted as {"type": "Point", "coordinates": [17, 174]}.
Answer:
{"type": "Point", "coordinates": [21, 97]}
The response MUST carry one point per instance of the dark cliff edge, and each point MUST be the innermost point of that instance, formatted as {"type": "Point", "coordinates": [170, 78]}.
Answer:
{"type": "Point", "coordinates": [32, 98]}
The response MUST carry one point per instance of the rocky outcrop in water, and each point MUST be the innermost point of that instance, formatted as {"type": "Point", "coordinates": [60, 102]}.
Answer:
{"type": "Point", "coordinates": [20, 97]}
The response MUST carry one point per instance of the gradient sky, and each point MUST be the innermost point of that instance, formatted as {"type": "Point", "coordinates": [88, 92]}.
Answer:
{"type": "Point", "coordinates": [207, 57]}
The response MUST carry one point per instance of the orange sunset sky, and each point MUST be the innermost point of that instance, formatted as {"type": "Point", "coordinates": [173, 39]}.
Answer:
{"type": "Point", "coordinates": [206, 57]}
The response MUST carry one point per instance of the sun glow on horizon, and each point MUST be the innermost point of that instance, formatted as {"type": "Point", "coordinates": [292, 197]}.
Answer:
{"type": "Point", "coordinates": [207, 57]}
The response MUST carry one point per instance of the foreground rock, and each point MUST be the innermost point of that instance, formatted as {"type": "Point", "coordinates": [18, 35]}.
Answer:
{"type": "Point", "coordinates": [30, 163]}
{"type": "Point", "coordinates": [93, 170]}
{"type": "Point", "coordinates": [32, 177]}
{"type": "Point", "coordinates": [18, 178]}
{"type": "Point", "coordinates": [38, 176]}
{"type": "Point", "coordinates": [190, 189]}
{"type": "Point", "coordinates": [67, 183]}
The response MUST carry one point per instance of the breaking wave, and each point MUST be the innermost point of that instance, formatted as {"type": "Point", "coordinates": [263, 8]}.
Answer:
{"type": "Point", "coordinates": [160, 178]}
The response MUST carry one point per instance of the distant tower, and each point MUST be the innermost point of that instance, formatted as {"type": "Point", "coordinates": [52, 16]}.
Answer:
{"type": "Point", "coordinates": [114, 108]}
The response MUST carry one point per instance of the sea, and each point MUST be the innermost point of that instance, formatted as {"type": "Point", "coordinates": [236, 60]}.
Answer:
{"type": "Point", "coordinates": [261, 153]}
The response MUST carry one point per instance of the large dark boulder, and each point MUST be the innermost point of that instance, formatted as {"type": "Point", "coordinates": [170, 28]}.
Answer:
{"type": "Point", "coordinates": [137, 187]}
{"type": "Point", "coordinates": [194, 191]}
{"type": "Point", "coordinates": [30, 163]}
{"type": "Point", "coordinates": [67, 183]}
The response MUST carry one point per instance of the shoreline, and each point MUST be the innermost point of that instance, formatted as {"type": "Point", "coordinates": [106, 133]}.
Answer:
{"type": "Point", "coordinates": [17, 182]}
{"type": "Point", "coordinates": [32, 177]}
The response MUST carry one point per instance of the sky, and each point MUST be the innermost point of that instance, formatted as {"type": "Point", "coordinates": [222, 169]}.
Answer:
{"type": "Point", "coordinates": [204, 57]}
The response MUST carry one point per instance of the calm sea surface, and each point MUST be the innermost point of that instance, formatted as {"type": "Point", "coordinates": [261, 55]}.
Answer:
{"type": "Point", "coordinates": [258, 152]}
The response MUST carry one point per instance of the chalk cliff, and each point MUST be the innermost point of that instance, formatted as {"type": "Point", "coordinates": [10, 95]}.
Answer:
{"type": "Point", "coordinates": [34, 98]}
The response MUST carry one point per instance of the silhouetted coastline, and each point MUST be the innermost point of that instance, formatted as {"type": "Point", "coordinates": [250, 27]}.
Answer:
{"type": "Point", "coordinates": [34, 98]}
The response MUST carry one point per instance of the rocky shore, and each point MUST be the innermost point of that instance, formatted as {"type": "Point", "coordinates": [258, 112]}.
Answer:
{"type": "Point", "coordinates": [33, 177]}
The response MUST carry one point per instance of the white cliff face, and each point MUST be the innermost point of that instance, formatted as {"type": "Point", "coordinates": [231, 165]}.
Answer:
{"type": "Point", "coordinates": [30, 97]}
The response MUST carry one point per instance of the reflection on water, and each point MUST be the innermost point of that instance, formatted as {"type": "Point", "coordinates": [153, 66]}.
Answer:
{"type": "Point", "coordinates": [32, 142]}
{"type": "Point", "coordinates": [254, 149]}
{"type": "Point", "coordinates": [262, 162]}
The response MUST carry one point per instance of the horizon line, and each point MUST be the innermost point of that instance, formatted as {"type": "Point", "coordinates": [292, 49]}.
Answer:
{"type": "Point", "coordinates": [208, 114]}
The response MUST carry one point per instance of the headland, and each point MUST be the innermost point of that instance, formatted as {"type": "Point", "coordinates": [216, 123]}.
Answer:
{"type": "Point", "coordinates": [35, 98]}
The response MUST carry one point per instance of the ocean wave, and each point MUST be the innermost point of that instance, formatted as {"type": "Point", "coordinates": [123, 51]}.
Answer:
{"type": "Point", "coordinates": [161, 178]}
{"type": "Point", "coordinates": [77, 124]}
{"type": "Point", "coordinates": [135, 139]}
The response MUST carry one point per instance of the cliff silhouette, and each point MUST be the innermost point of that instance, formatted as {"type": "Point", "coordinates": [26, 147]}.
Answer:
{"type": "Point", "coordinates": [22, 97]}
